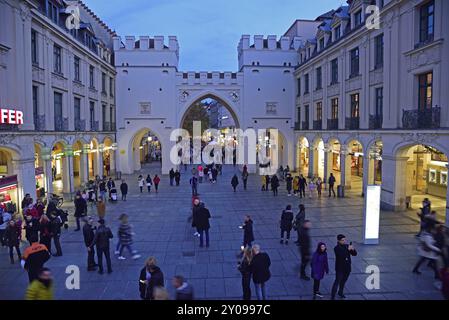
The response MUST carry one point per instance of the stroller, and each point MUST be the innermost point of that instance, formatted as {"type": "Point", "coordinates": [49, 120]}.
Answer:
{"type": "Point", "coordinates": [113, 194]}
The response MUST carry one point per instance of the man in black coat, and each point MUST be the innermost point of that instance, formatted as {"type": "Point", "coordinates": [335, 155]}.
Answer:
{"type": "Point", "coordinates": [302, 186]}
{"type": "Point", "coordinates": [80, 209]}
{"type": "Point", "coordinates": [124, 190]}
{"type": "Point", "coordinates": [101, 241]}
{"type": "Point", "coordinates": [200, 221]}
{"type": "Point", "coordinates": [172, 176]}
{"type": "Point", "coordinates": [55, 231]}
{"type": "Point", "coordinates": [248, 235]}
{"type": "Point", "coordinates": [286, 223]}
{"type": "Point", "coordinates": [89, 235]}
{"type": "Point", "coordinates": [274, 184]}
{"type": "Point", "coordinates": [305, 242]}
{"type": "Point", "coordinates": [184, 291]}
{"type": "Point", "coordinates": [343, 254]}
{"type": "Point", "coordinates": [260, 269]}
{"type": "Point", "coordinates": [331, 182]}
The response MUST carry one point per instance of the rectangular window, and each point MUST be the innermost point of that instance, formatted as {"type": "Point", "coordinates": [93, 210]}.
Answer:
{"type": "Point", "coordinates": [92, 115]}
{"type": "Point", "coordinates": [34, 58]}
{"type": "Point", "coordinates": [379, 51]}
{"type": "Point", "coordinates": [355, 105]}
{"type": "Point", "coordinates": [57, 59]}
{"type": "Point", "coordinates": [354, 62]}
{"type": "Point", "coordinates": [103, 115]}
{"type": "Point", "coordinates": [321, 44]}
{"type": "Point", "coordinates": [334, 71]}
{"type": "Point", "coordinates": [337, 32]}
{"type": "Point", "coordinates": [334, 108]}
{"type": "Point", "coordinates": [58, 111]}
{"type": "Point", "coordinates": [306, 84]}
{"type": "Point", "coordinates": [425, 91]}
{"type": "Point", "coordinates": [319, 111]}
{"type": "Point", "coordinates": [319, 84]}
{"type": "Point", "coordinates": [379, 102]}
{"type": "Point", "coordinates": [306, 113]}
{"type": "Point", "coordinates": [77, 111]}
{"type": "Point", "coordinates": [299, 86]}
{"type": "Point", "coordinates": [426, 22]}
{"type": "Point", "coordinates": [76, 65]}
{"type": "Point", "coordinates": [111, 87]}
{"type": "Point", "coordinates": [35, 106]}
{"type": "Point", "coordinates": [358, 18]}
{"type": "Point", "coordinates": [103, 82]}
{"type": "Point", "coordinates": [52, 12]}
{"type": "Point", "coordinates": [112, 117]}
{"type": "Point", "coordinates": [91, 77]}
{"type": "Point", "coordinates": [298, 119]}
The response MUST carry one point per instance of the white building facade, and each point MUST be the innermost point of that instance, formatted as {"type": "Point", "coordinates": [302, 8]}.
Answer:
{"type": "Point", "coordinates": [371, 104]}
{"type": "Point", "coordinates": [64, 83]}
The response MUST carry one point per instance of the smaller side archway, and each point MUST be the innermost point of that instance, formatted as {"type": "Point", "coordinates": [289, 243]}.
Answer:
{"type": "Point", "coordinates": [354, 164]}
{"type": "Point", "coordinates": [302, 161]}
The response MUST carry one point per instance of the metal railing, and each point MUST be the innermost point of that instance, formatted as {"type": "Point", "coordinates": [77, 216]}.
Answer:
{"type": "Point", "coordinates": [421, 119]}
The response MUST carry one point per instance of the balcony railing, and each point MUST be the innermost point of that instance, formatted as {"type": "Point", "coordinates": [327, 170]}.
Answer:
{"type": "Point", "coordinates": [59, 125]}
{"type": "Point", "coordinates": [78, 125]}
{"type": "Point", "coordinates": [106, 126]}
{"type": "Point", "coordinates": [9, 127]}
{"type": "Point", "coordinates": [352, 123]}
{"type": "Point", "coordinates": [332, 124]}
{"type": "Point", "coordinates": [113, 127]}
{"type": "Point", "coordinates": [421, 119]}
{"type": "Point", "coordinates": [297, 125]}
{"type": "Point", "coordinates": [305, 125]}
{"type": "Point", "coordinates": [317, 124]}
{"type": "Point", "coordinates": [375, 121]}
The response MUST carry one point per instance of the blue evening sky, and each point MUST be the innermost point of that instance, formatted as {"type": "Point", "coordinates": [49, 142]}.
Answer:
{"type": "Point", "coordinates": [208, 31]}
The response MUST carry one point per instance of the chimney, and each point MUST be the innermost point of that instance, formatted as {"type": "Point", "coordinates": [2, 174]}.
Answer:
{"type": "Point", "coordinates": [130, 42]}
{"type": "Point", "coordinates": [271, 42]}
{"type": "Point", "coordinates": [159, 42]}
{"type": "Point", "coordinates": [285, 43]}
{"type": "Point", "coordinates": [144, 42]}
{"type": "Point", "coordinates": [258, 42]}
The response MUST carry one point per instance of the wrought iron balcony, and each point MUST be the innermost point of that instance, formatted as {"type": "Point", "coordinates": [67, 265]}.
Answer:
{"type": "Point", "coordinates": [352, 123]}
{"type": "Point", "coordinates": [317, 124]}
{"type": "Point", "coordinates": [421, 119]}
{"type": "Point", "coordinates": [332, 124]}
{"type": "Point", "coordinates": [9, 127]}
{"type": "Point", "coordinates": [305, 125]}
{"type": "Point", "coordinates": [59, 124]}
{"type": "Point", "coordinates": [106, 126]}
{"type": "Point", "coordinates": [297, 125]}
{"type": "Point", "coordinates": [77, 124]}
{"type": "Point", "coordinates": [375, 121]}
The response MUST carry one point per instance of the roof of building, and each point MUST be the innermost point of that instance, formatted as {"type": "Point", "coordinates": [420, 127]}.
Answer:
{"type": "Point", "coordinates": [100, 22]}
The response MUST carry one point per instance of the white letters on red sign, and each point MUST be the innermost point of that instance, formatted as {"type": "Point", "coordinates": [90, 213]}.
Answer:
{"type": "Point", "coordinates": [9, 116]}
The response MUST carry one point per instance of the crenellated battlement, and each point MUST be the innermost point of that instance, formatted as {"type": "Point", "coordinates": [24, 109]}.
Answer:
{"type": "Point", "coordinates": [214, 77]}
{"type": "Point", "coordinates": [145, 43]}
{"type": "Point", "coordinates": [270, 43]}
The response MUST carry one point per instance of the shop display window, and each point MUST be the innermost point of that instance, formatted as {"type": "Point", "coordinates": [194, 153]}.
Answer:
{"type": "Point", "coordinates": [432, 175]}
{"type": "Point", "coordinates": [443, 178]}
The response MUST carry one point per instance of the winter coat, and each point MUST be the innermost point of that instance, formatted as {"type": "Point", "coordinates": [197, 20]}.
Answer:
{"type": "Point", "coordinates": [111, 184]}
{"type": "Point", "coordinates": [141, 182]}
{"type": "Point", "coordinates": [156, 280]}
{"type": "Point", "coordinates": [33, 212]}
{"type": "Point", "coordinates": [289, 183]}
{"type": "Point", "coordinates": [88, 235]}
{"type": "Point", "coordinates": [299, 220]}
{"type": "Point", "coordinates": [331, 180]}
{"type": "Point", "coordinates": [260, 268]}
{"type": "Point", "coordinates": [302, 182]}
{"type": "Point", "coordinates": [320, 265]}
{"type": "Point", "coordinates": [80, 207]}
{"type": "Point", "coordinates": [184, 292]}
{"type": "Point", "coordinates": [234, 181]}
{"type": "Point", "coordinates": [295, 183]}
{"type": "Point", "coordinates": [200, 218]}
{"type": "Point", "coordinates": [245, 268]}
{"type": "Point", "coordinates": [156, 180]}
{"type": "Point", "coordinates": [125, 234]}
{"type": "Point", "coordinates": [102, 236]}
{"type": "Point", "coordinates": [248, 235]}
{"type": "Point", "coordinates": [31, 228]}
{"type": "Point", "coordinates": [124, 188]}
{"type": "Point", "coordinates": [6, 217]}
{"type": "Point", "coordinates": [274, 182]}
{"type": "Point", "coordinates": [102, 186]}
{"type": "Point", "coordinates": [171, 174]}
{"type": "Point", "coordinates": [149, 181]}
{"type": "Point", "coordinates": [245, 175]}
{"type": "Point", "coordinates": [304, 242]}
{"type": "Point", "coordinates": [55, 226]}
{"type": "Point", "coordinates": [12, 236]}
{"type": "Point", "coordinates": [426, 247]}
{"type": "Point", "coordinates": [35, 256]}
{"type": "Point", "coordinates": [38, 291]}
{"type": "Point", "coordinates": [343, 258]}
{"type": "Point", "coordinates": [287, 220]}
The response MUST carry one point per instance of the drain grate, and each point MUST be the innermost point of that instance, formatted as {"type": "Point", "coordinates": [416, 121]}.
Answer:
{"type": "Point", "coordinates": [188, 253]}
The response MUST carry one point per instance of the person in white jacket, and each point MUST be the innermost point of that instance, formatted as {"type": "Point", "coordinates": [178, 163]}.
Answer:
{"type": "Point", "coordinates": [427, 251]}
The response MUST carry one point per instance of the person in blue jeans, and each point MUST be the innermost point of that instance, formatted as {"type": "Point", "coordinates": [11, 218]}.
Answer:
{"type": "Point", "coordinates": [260, 269]}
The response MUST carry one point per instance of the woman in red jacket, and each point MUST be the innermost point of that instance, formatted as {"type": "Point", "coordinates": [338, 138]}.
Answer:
{"type": "Point", "coordinates": [156, 181]}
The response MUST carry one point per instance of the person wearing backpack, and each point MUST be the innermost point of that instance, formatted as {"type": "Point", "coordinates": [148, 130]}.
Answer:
{"type": "Point", "coordinates": [149, 182]}
{"type": "Point", "coordinates": [101, 241]}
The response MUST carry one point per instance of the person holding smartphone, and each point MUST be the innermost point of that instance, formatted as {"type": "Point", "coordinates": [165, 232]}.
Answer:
{"type": "Point", "coordinates": [343, 253]}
